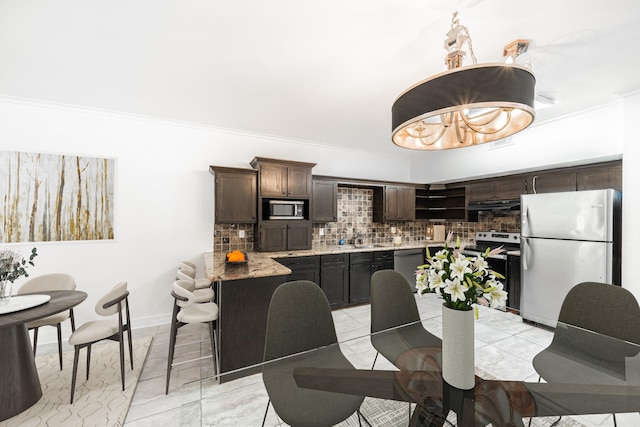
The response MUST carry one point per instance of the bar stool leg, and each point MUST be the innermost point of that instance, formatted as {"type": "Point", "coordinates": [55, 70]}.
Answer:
{"type": "Point", "coordinates": [172, 343]}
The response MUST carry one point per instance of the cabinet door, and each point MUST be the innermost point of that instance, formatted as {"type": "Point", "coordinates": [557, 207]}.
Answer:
{"type": "Point", "coordinates": [359, 283]}
{"type": "Point", "coordinates": [299, 236]}
{"type": "Point", "coordinates": [600, 177]}
{"type": "Point", "coordinates": [235, 197]}
{"type": "Point", "coordinates": [298, 182]}
{"type": "Point", "coordinates": [273, 237]}
{"type": "Point", "coordinates": [510, 188]}
{"type": "Point", "coordinates": [406, 203]}
{"type": "Point", "coordinates": [481, 191]}
{"type": "Point", "coordinates": [334, 281]}
{"type": "Point", "coordinates": [391, 196]}
{"type": "Point", "coordinates": [552, 182]}
{"type": "Point", "coordinates": [273, 180]}
{"type": "Point", "coordinates": [324, 201]}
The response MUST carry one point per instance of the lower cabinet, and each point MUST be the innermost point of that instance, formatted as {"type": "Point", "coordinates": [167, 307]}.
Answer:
{"type": "Point", "coordinates": [302, 268]}
{"type": "Point", "coordinates": [360, 277]}
{"type": "Point", "coordinates": [334, 278]}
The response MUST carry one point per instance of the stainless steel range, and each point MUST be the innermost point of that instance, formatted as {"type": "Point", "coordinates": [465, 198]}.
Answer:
{"type": "Point", "coordinates": [507, 265]}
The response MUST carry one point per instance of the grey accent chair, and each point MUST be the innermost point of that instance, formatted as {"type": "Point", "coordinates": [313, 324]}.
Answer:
{"type": "Point", "coordinates": [116, 301]}
{"type": "Point", "coordinates": [188, 309]}
{"type": "Point", "coordinates": [393, 305]}
{"type": "Point", "coordinates": [579, 356]}
{"type": "Point", "coordinates": [299, 320]}
{"type": "Point", "coordinates": [50, 282]}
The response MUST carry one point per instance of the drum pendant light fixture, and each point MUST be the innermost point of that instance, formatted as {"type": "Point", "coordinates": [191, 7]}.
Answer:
{"type": "Point", "coordinates": [465, 105]}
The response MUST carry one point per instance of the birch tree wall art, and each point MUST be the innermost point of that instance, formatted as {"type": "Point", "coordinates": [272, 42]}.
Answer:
{"type": "Point", "coordinates": [49, 197]}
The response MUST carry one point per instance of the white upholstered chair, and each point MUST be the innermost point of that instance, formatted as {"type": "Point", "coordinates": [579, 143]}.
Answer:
{"type": "Point", "coordinates": [204, 294]}
{"type": "Point", "coordinates": [189, 269]}
{"type": "Point", "coordinates": [50, 282]}
{"type": "Point", "coordinates": [114, 302]}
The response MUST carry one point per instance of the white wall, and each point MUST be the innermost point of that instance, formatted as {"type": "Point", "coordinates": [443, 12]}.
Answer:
{"type": "Point", "coordinates": [631, 196]}
{"type": "Point", "coordinates": [164, 194]}
{"type": "Point", "coordinates": [590, 136]}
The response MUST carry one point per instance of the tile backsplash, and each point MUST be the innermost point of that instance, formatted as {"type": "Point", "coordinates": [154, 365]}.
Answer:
{"type": "Point", "coordinates": [355, 216]}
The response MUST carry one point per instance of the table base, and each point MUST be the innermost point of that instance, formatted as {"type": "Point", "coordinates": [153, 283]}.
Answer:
{"type": "Point", "coordinates": [20, 385]}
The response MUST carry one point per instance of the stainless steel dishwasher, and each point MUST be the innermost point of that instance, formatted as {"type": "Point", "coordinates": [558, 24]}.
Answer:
{"type": "Point", "coordinates": [406, 262]}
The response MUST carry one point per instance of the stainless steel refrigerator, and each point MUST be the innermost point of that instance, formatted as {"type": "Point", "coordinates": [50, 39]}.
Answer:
{"type": "Point", "coordinates": [565, 239]}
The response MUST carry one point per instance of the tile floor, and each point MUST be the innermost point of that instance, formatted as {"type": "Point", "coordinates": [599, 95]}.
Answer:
{"type": "Point", "coordinates": [505, 347]}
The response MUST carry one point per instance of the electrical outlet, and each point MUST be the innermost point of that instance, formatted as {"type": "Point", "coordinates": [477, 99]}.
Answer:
{"type": "Point", "coordinates": [393, 230]}
{"type": "Point", "coordinates": [322, 231]}
{"type": "Point", "coordinates": [225, 240]}
{"type": "Point", "coordinates": [241, 234]}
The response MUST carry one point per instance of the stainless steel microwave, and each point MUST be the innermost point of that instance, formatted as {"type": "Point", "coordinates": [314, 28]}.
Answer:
{"type": "Point", "coordinates": [286, 209]}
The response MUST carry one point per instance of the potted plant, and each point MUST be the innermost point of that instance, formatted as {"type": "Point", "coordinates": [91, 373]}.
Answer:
{"type": "Point", "coordinates": [12, 266]}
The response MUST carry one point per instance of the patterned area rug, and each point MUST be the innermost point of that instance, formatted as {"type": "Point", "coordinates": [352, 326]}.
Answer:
{"type": "Point", "coordinates": [99, 401]}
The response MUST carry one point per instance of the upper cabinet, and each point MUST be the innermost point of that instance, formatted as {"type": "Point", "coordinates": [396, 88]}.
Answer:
{"type": "Point", "coordinates": [607, 175]}
{"type": "Point", "coordinates": [283, 179]}
{"type": "Point", "coordinates": [394, 203]}
{"type": "Point", "coordinates": [324, 202]}
{"type": "Point", "coordinates": [504, 188]}
{"type": "Point", "coordinates": [551, 181]}
{"type": "Point", "coordinates": [235, 195]}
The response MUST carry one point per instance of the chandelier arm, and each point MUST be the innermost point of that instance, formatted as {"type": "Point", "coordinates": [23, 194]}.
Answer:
{"type": "Point", "coordinates": [440, 133]}
{"type": "Point", "coordinates": [461, 139]}
{"type": "Point", "coordinates": [478, 130]}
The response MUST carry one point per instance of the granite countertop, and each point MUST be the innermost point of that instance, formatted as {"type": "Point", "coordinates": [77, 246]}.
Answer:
{"type": "Point", "coordinates": [263, 264]}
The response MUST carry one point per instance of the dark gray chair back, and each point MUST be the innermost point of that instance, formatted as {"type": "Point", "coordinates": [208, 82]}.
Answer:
{"type": "Point", "coordinates": [392, 302]}
{"type": "Point", "coordinates": [299, 320]}
{"type": "Point", "coordinates": [607, 309]}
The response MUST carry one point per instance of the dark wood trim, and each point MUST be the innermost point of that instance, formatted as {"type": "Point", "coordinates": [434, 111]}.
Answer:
{"type": "Point", "coordinates": [257, 160]}
{"type": "Point", "coordinates": [365, 183]}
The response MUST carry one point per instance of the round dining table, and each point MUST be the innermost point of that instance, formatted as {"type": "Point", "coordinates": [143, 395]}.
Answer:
{"type": "Point", "coordinates": [19, 382]}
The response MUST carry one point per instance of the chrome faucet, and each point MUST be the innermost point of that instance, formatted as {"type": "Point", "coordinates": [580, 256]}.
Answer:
{"type": "Point", "coordinates": [358, 240]}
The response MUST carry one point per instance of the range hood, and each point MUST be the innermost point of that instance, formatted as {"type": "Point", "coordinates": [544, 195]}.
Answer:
{"type": "Point", "coordinates": [494, 205]}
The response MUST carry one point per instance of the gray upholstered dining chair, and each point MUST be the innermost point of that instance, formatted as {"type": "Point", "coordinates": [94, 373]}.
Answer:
{"type": "Point", "coordinates": [586, 354]}
{"type": "Point", "coordinates": [50, 282]}
{"type": "Point", "coordinates": [186, 310]}
{"type": "Point", "coordinates": [113, 302]}
{"type": "Point", "coordinates": [393, 305]}
{"type": "Point", "coordinates": [300, 319]}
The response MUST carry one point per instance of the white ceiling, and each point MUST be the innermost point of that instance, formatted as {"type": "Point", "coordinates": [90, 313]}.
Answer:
{"type": "Point", "coordinates": [317, 71]}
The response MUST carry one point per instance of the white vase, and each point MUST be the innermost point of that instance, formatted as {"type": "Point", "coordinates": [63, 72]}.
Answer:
{"type": "Point", "coordinates": [458, 363]}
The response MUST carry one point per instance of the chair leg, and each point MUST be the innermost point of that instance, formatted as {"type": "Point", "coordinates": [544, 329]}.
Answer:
{"type": "Point", "coordinates": [88, 360]}
{"type": "Point", "coordinates": [130, 347]}
{"type": "Point", "coordinates": [76, 355]}
{"type": "Point", "coordinates": [265, 413]}
{"type": "Point", "coordinates": [172, 344]}
{"type": "Point", "coordinates": [35, 341]}
{"type": "Point", "coordinates": [59, 328]}
{"type": "Point", "coordinates": [212, 336]}
{"type": "Point", "coordinates": [121, 341]}
{"type": "Point", "coordinates": [374, 360]}
{"type": "Point", "coordinates": [615, 424]}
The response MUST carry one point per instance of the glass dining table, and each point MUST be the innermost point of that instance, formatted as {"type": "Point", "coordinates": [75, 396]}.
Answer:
{"type": "Point", "coordinates": [601, 376]}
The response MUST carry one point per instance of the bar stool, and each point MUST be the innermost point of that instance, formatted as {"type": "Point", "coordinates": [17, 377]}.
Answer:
{"type": "Point", "coordinates": [205, 294]}
{"type": "Point", "coordinates": [186, 310]}
{"type": "Point", "coordinates": [189, 269]}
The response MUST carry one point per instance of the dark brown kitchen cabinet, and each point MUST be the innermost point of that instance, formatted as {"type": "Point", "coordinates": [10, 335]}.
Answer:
{"type": "Point", "coordinates": [360, 277]}
{"type": "Point", "coordinates": [551, 182]}
{"type": "Point", "coordinates": [302, 267]}
{"type": "Point", "coordinates": [235, 195]}
{"type": "Point", "coordinates": [334, 278]}
{"type": "Point", "coordinates": [324, 203]}
{"type": "Point", "coordinates": [504, 188]}
{"type": "Point", "coordinates": [394, 203]}
{"type": "Point", "coordinates": [283, 179]}
{"type": "Point", "coordinates": [607, 175]}
{"type": "Point", "coordinates": [284, 236]}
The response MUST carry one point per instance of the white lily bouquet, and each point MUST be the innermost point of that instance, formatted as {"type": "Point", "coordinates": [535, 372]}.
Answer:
{"type": "Point", "coordinates": [461, 280]}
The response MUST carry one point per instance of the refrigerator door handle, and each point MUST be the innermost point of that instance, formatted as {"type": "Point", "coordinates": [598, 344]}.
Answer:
{"type": "Point", "coordinates": [525, 222]}
{"type": "Point", "coordinates": [525, 251]}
